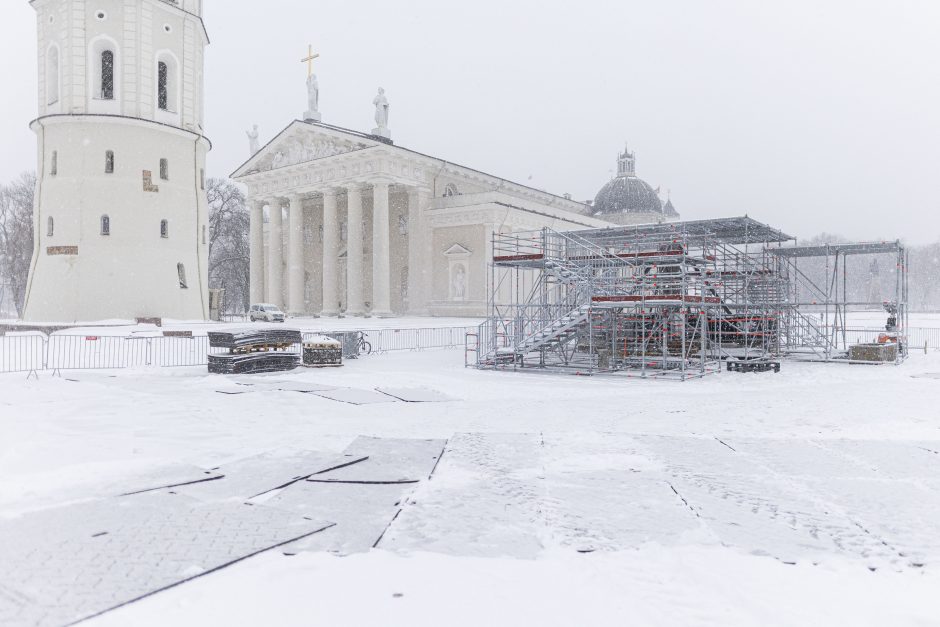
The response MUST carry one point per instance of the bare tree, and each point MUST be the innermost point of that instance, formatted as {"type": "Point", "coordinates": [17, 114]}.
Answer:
{"type": "Point", "coordinates": [16, 235]}
{"type": "Point", "coordinates": [229, 266]}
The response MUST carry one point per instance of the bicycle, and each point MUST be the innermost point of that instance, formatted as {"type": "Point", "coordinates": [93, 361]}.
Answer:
{"type": "Point", "coordinates": [363, 346]}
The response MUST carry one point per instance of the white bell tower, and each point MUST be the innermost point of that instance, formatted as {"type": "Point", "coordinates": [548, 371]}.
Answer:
{"type": "Point", "coordinates": [121, 219]}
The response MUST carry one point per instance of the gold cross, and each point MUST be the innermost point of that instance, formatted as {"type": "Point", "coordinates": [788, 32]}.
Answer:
{"type": "Point", "coordinates": [309, 60]}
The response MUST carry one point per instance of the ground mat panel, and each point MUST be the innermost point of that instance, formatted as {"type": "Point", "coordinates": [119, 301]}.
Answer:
{"type": "Point", "coordinates": [356, 397]}
{"type": "Point", "coordinates": [362, 513]}
{"type": "Point", "coordinates": [246, 363]}
{"type": "Point", "coordinates": [247, 338]}
{"type": "Point", "coordinates": [69, 564]}
{"type": "Point", "coordinates": [167, 477]}
{"type": "Point", "coordinates": [251, 477]}
{"type": "Point", "coordinates": [417, 395]}
{"type": "Point", "coordinates": [389, 461]}
{"type": "Point", "coordinates": [292, 386]}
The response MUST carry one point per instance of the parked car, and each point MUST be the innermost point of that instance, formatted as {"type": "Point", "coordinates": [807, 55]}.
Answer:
{"type": "Point", "coordinates": [265, 312]}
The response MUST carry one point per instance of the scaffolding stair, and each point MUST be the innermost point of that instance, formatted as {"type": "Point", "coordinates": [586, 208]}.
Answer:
{"type": "Point", "coordinates": [557, 333]}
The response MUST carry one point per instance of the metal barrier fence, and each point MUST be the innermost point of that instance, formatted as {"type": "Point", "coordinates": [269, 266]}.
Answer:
{"type": "Point", "coordinates": [22, 353]}
{"type": "Point", "coordinates": [29, 353]}
{"type": "Point", "coordinates": [917, 338]}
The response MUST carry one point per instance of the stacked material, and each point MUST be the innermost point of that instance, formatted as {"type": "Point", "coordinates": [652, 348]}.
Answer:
{"type": "Point", "coordinates": [252, 339]}
{"type": "Point", "coordinates": [252, 351]}
{"type": "Point", "coordinates": [250, 363]}
{"type": "Point", "coordinates": [874, 353]}
{"type": "Point", "coordinates": [320, 351]}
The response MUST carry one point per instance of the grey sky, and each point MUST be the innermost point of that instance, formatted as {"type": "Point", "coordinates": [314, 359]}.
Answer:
{"type": "Point", "coordinates": [812, 115]}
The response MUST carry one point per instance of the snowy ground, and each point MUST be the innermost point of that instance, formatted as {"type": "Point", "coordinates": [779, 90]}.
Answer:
{"type": "Point", "coordinates": [811, 497]}
{"type": "Point", "coordinates": [857, 319]}
{"type": "Point", "coordinates": [125, 328]}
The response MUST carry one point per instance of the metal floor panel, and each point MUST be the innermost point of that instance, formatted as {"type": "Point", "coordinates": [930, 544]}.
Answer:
{"type": "Point", "coordinates": [251, 477]}
{"type": "Point", "coordinates": [417, 395]}
{"type": "Point", "coordinates": [389, 460]}
{"type": "Point", "coordinates": [66, 565]}
{"type": "Point", "coordinates": [355, 396]}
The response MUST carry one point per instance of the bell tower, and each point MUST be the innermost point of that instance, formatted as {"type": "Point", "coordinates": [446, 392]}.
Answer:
{"type": "Point", "coordinates": [120, 217]}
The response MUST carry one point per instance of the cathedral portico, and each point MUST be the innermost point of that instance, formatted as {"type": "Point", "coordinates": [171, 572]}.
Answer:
{"type": "Point", "coordinates": [383, 230]}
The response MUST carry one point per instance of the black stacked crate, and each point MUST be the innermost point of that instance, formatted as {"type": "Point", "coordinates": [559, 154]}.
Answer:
{"type": "Point", "coordinates": [255, 350]}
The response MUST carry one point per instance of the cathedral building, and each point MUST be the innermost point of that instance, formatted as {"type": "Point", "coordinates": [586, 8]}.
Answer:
{"type": "Point", "coordinates": [349, 223]}
{"type": "Point", "coordinates": [121, 214]}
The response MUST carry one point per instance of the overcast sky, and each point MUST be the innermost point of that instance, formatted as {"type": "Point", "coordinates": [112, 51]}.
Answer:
{"type": "Point", "coordinates": [811, 115]}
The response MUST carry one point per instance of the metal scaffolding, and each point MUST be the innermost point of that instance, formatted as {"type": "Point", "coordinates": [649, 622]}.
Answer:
{"type": "Point", "coordinates": [823, 294]}
{"type": "Point", "coordinates": [664, 300]}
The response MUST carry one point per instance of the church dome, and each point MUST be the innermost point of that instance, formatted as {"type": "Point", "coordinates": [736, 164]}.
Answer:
{"type": "Point", "coordinates": [627, 193]}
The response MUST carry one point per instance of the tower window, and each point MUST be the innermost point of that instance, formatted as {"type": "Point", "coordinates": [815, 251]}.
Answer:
{"type": "Point", "coordinates": [202, 178]}
{"type": "Point", "coordinates": [164, 169]}
{"type": "Point", "coordinates": [164, 229]}
{"type": "Point", "coordinates": [105, 225]}
{"type": "Point", "coordinates": [50, 227]}
{"type": "Point", "coordinates": [162, 78]}
{"type": "Point", "coordinates": [204, 233]}
{"type": "Point", "coordinates": [52, 75]}
{"type": "Point", "coordinates": [54, 166]}
{"type": "Point", "coordinates": [107, 75]}
{"type": "Point", "coordinates": [181, 271]}
{"type": "Point", "coordinates": [109, 162]}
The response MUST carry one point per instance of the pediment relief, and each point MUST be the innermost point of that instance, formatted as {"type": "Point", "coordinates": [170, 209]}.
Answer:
{"type": "Point", "coordinates": [458, 251]}
{"type": "Point", "coordinates": [295, 150]}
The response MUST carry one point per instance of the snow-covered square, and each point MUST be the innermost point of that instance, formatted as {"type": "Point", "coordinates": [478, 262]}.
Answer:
{"type": "Point", "coordinates": [504, 314]}
{"type": "Point", "coordinates": [806, 497]}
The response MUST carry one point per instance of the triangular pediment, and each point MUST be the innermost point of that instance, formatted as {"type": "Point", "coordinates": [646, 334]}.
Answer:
{"type": "Point", "coordinates": [303, 142]}
{"type": "Point", "coordinates": [458, 251]}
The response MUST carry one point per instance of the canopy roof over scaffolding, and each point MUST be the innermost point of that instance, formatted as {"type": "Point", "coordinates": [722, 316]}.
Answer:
{"type": "Point", "coordinates": [865, 248]}
{"type": "Point", "coordinates": [741, 230]}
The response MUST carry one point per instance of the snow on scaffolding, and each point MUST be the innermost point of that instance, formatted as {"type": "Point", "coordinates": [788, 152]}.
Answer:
{"type": "Point", "coordinates": [673, 300]}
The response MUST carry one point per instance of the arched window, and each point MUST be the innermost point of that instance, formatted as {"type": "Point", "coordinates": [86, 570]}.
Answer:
{"type": "Point", "coordinates": [107, 75]}
{"type": "Point", "coordinates": [164, 169]}
{"type": "Point", "coordinates": [105, 225]}
{"type": "Point", "coordinates": [202, 178]}
{"type": "Point", "coordinates": [164, 229]}
{"type": "Point", "coordinates": [162, 76]}
{"type": "Point", "coordinates": [167, 82]}
{"type": "Point", "coordinates": [451, 190]}
{"type": "Point", "coordinates": [109, 162]}
{"type": "Point", "coordinates": [50, 227]}
{"type": "Point", "coordinates": [181, 271]}
{"type": "Point", "coordinates": [52, 75]}
{"type": "Point", "coordinates": [104, 75]}
{"type": "Point", "coordinates": [204, 233]}
{"type": "Point", "coordinates": [54, 166]}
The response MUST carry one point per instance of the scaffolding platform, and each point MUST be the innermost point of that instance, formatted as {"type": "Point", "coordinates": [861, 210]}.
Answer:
{"type": "Point", "coordinates": [669, 300]}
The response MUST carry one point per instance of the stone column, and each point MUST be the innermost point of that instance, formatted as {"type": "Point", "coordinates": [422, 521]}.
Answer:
{"type": "Point", "coordinates": [256, 251]}
{"type": "Point", "coordinates": [295, 258]}
{"type": "Point", "coordinates": [381, 259]}
{"type": "Point", "coordinates": [354, 275]}
{"type": "Point", "coordinates": [330, 254]}
{"type": "Point", "coordinates": [275, 293]}
{"type": "Point", "coordinates": [419, 262]}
